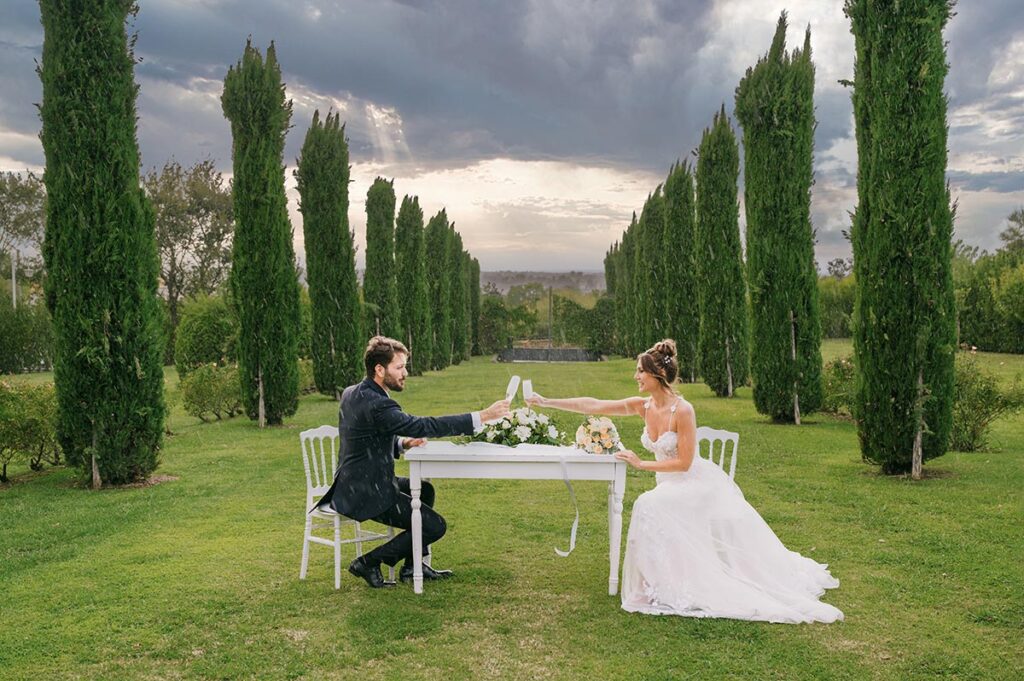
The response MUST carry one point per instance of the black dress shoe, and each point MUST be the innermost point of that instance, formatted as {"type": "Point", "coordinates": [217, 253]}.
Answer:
{"type": "Point", "coordinates": [405, 574]}
{"type": "Point", "coordinates": [371, 574]}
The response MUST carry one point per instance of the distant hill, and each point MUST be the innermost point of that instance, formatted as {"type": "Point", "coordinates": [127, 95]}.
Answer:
{"type": "Point", "coordinates": [581, 281]}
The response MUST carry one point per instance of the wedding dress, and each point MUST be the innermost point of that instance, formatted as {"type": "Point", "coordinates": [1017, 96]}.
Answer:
{"type": "Point", "coordinates": [696, 548]}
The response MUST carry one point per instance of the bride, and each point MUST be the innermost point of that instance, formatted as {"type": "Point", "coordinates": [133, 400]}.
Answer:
{"type": "Point", "coordinates": [695, 547]}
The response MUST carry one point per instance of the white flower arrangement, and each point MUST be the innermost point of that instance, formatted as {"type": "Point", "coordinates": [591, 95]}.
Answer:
{"type": "Point", "coordinates": [598, 435]}
{"type": "Point", "coordinates": [521, 426]}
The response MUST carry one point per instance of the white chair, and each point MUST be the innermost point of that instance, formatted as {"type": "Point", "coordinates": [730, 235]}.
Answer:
{"type": "Point", "coordinates": [316, 444]}
{"type": "Point", "coordinates": [718, 447]}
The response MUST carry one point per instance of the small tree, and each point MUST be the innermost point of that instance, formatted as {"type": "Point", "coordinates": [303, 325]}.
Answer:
{"type": "Point", "coordinates": [380, 285]}
{"type": "Point", "coordinates": [459, 300]}
{"type": "Point", "coordinates": [323, 178]}
{"type": "Point", "coordinates": [723, 310]}
{"type": "Point", "coordinates": [474, 304]}
{"type": "Point", "coordinates": [264, 281]}
{"type": "Point", "coordinates": [99, 248]}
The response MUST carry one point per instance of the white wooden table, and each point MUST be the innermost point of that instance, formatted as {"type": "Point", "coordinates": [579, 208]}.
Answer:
{"type": "Point", "coordinates": [480, 460]}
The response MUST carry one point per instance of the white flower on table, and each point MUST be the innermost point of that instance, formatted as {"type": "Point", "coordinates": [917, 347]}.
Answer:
{"type": "Point", "coordinates": [543, 419]}
{"type": "Point", "coordinates": [552, 432]}
{"type": "Point", "coordinates": [523, 433]}
{"type": "Point", "coordinates": [491, 434]}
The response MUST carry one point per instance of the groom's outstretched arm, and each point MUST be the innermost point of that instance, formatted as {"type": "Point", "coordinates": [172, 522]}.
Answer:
{"type": "Point", "coordinates": [391, 420]}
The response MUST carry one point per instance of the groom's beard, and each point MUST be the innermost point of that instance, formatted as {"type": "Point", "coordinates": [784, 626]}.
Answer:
{"type": "Point", "coordinates": [392, 382]}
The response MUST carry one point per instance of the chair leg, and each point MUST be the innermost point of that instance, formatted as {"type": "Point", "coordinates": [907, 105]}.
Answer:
{"type": "Point", "coordinates": [358, 535]}
{"type": "Point", "coordinates": [305, 547]}
{"type": "Point", "coordinates": [337, 552]}
{"type": "Point", "coordinates": [391, 568]}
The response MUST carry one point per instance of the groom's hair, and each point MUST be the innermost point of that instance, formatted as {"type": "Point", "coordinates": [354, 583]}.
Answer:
{"type": "Point", "coordinates": [381, 350]}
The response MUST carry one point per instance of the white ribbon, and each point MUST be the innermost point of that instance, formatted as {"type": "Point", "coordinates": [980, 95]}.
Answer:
{"type": "Point", "coordinates": [576, 522]}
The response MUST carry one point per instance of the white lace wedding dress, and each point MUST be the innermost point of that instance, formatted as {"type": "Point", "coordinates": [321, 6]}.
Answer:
{"type": "Point", "coordinates": [696, 548]}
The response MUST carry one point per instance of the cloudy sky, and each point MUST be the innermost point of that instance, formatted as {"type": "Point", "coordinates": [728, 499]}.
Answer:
{"type": "Point", "coordinates": [540, 125]}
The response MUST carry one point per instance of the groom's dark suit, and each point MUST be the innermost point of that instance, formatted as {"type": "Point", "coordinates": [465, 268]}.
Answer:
{"type": "Point", "coordinates": [365, 486]}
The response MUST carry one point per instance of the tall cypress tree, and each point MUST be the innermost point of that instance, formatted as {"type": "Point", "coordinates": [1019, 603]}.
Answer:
{"type": "Point", "coordinates": [775, 106]}
{"type": "Point", "coordinates": [264, 282]}
{"type": "Point", "coordinates": [624, 287]}
{"type": "Point", "coordinates": [440, 292]}
{"type": "Point", "coordinates": [474, 305]}
{"type": "Point", "coordinates": [658, 292]}
{"type": "Point", "coordinates": [683, 313]}
{"type": "Point", "coordinates": [323, 177]}
{"type": "Point", "coordinates": [723, 309]}
{"type": "Point", "coordinates": [904, 326]}
{"type": "Point", "coordinates": [456, 271]}
{"type": "Point", "coordinates": [380, 284]}
{"type": "Point", "coordinates": [99, 249]}
{"type": "Point", "coordinates": [413, 300]}
{"type": "Point", "coordinates": [641, 291]}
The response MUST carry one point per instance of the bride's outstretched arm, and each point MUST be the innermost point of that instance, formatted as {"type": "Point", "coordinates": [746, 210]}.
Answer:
{"type": "Point", "coordinates": [589, 405]}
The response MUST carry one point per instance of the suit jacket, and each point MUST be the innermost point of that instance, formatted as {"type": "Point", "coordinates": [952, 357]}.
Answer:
{"type": "Point", "coordinates": [369, 423]}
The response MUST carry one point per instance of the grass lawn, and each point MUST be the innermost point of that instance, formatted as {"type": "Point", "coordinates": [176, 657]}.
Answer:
{"type": "Point", "coordinates": [197, 577]}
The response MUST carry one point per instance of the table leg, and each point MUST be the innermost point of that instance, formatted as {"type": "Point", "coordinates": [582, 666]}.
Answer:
{"type": "Point", "coordinates": [417, 528]}
{"type": "Point", "coordinates": [618, 489]}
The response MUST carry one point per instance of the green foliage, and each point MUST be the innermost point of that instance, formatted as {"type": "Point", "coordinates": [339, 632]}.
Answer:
{"type": "Point", "coordinates": [307, 382]}
{"type": "Point", "coordinates": [904, 322]}
{"type": "Point", "coordinates": [305, 347]}
{"type": "Point", "coordinates": [100, 253]}
{"type": "Point", "coordinates": [26, 336]}
{"type": "Point", "coordinates": [836, 297]}
{"type": "Point", "coordinates": [22, 218]}
{"type": "Point", "coordinates": [723, 310]}
{"type": "Point", "coordinates": [977, 402]}
{"type": "Point", "coordinates": [194, 227]}
{"type": "Point", "coordinates": [495, 325]}
{"type": "Point", "coordinates": [474, 305]}
{"type": "Point", "coordinates": [654, 287]}
{"type": "Point", "coordinates": [775, 106]}
{"type": "Point", "coordinates": [592, 329]}
{"type": "Point", "coordinates": [839, 386]}
{"type": "Point", "coordinates": [28, 426]}
{"type": "Point", "coordinates": [336, 336]}
{"type": "Point", "coordinates": [990, 298]}
{"type": "Point", "coordinates": [379, 281]}
{"type": "Point", "coordinates": [263, 278]}
{"type": "Point", "coordinates": [413, 298]}
{"type": "Point", "coordinates": [437, 248]}
{"type": "Point", "coordinates": [682, 292]}
{"type": "Point", "coordinates": [210, 390]}
{"type": "Point", "coordinates": [456, 271]}
{"type": "Point", "coordinates": [207, 334]}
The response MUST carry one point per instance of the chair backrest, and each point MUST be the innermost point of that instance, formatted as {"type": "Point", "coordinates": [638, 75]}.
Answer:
{"type": "Point", "coordinates": [318, 446]}
{"type": "Point", "coordinates": [718, 447]}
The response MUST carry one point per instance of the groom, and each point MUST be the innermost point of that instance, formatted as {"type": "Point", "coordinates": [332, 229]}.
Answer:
{"type": "Point", "coordinates": [365, 486]}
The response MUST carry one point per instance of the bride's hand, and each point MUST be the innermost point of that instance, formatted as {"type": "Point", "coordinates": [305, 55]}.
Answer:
{"type": "Point", "coordinates": [536, 400]}
{"type": "Point", "coordinates": [629, 457]}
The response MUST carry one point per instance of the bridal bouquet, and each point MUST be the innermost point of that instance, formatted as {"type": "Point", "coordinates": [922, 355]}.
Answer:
{"type": "Point", "coordinates": [521, 426]}
{"type": "Point", "coordinates": [597, 435]}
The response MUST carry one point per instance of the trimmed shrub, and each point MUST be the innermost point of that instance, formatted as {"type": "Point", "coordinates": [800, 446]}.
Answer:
{"type": "Point", "coordinates": [207, 334]}
{"type": "Point", "coordinates": [977, 402]}
{"type": "Point", "coordinates": [211, 391]}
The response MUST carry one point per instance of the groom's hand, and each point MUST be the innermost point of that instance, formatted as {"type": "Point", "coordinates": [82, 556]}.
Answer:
{"type": "Point", "coordinates": [495, 411]}
{"type": "Point", "coordinates": [411, 442]}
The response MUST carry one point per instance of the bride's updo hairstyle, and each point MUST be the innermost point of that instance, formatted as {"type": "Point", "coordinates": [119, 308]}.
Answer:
{"type": "Point", "coordinates": [660, 361]}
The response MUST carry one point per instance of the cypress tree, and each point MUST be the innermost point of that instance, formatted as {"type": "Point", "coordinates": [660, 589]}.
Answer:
{"type": "Point", "coordinates": [723, 310]}
{"type": "Point", "coordinates": [440, 292]}
{"type": "Point", "coordinates": [624, 292]}
{"type": "Point", "coordinates": [323, 178]}
{"type": "Point", "coordinates": [775, 106]}
{"type": "Point", "coordinates": [459, 300]}
{"type": "Point", "coordinates": [413, 301]}
{"type": "Point", "coordinates": [659, 290]}
{"type": "Point", "coordinates": [682, 301]}
{"type": "Point", "coordinates": [609, 268]}
{"type": "Point", "coordinates": [99, 247]}
{"type": "Point", "coordinates": [474, 304]}
{"type": "Point", "coordinates": [641, 291]}
{"type": "Point", "coordinates": [264, 282]}
{"type": "Point", "coordinates": [380, 284]}
{"type": "Point", "coordinates": [904, 319]}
